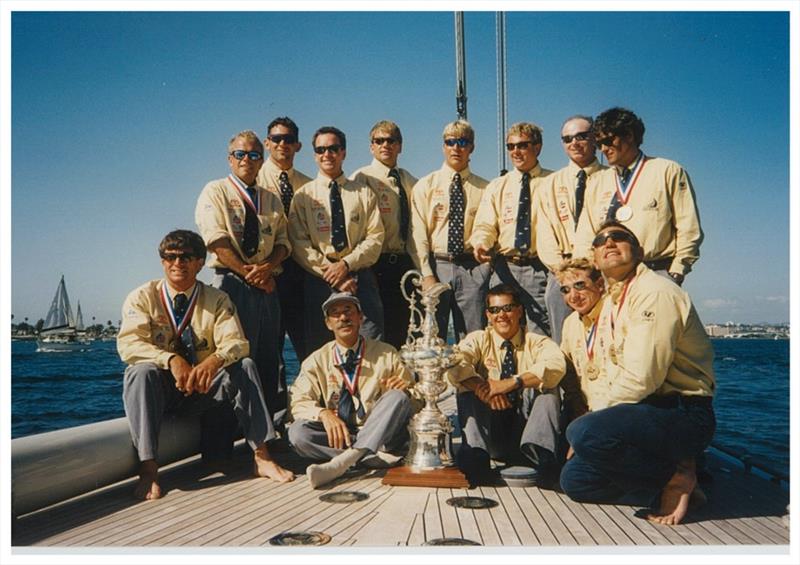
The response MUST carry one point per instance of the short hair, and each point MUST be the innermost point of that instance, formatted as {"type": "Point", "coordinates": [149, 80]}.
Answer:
{"type": "Point", "coordinates": [623, 227]}
{"type": "Point", "coordinates": [459, 128]}
{"type": "Point", "coordinates": [388, 126]}
{"type": "Point", "coordinates": [579, 117]}
{"type": "Point", "coordinates": [577, 264]}
{"type": "Point", "coordinates": [183, 240]}
{"type": "Point", "coordinates": [330, 129]}
{"type": "Point", "coordinates": [527, 129]}
{"type": "Point", "coordinates": [621, 122]}
{"type": "Point", "coordinates": [247, 135]}
{"type": "Point", "coordinates": [287, 122]}
{"type": "Point", "coordinates": [503, 290]}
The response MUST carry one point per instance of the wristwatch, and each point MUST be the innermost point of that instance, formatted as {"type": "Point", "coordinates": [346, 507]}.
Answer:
{"type": "Point", "coordinates": [520, 384]}
{"type": "Point", "coordinates": [677, 277]}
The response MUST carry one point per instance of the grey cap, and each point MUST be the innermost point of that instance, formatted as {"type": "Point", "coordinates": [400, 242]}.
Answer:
{"type": "Point", "coordinates": [340, 297]}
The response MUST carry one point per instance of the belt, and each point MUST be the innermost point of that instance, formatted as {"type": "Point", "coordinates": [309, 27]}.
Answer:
{"type": "Point", "coordinates": [223, 271]}
{"type": "Point", "coordinates": [675, 400]}
{"type": "Point", "coordinates": [660, 264]}
{"type": "Point", "coordinates": [393, 258]}
{"type": "Point", "coordinates": [460, 258]}
{"type": "Point", "coordinates": [524, 260]}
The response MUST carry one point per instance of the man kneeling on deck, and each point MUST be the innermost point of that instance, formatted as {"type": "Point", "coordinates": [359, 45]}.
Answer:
{"type": "Point", "coordinates": [185, 351]}
{"type": "Point", "coordinates": [508, 400]}
{"type": "Point", "coordinates": [655, 416]}
{"type": "Point", "coordinates": [349, 400]}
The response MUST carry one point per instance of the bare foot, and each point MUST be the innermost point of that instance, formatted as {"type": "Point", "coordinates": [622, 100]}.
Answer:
{"type": "Point", "coordinates": [265, 466]}
{"type": "Point", "coordinates": [676, 494]}
{"type": "Point", "coordinates": [147, 488]}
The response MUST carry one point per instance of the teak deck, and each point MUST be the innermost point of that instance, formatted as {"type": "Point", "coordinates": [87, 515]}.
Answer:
{"type": "Point", "coordinates": [211, 509]}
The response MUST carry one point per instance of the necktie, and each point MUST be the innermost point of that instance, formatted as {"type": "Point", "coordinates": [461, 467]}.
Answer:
{"type": "Point", "coordinates": [509, 367]}
{"type": "Point", "coordinates": [455, 228]}
{"type": "Point", "coordinates": [522, 237]}
{"type": "Point", "coordinates": [338, 230]}
{"type": "Point", "coordinates": [185, 345]}
{"type": "Point", "coordinates": [286, 191]}
{"type": "Point", "coordinates": [250, 237]}
{"type": "Point", "coordinates": [404, 214]}
{"type": "Point", "coordinates": [346, 408]}
{"type": "Point", "coordinates": [580, 189]}
{"type": "Point", "coordinates": [624, 176]}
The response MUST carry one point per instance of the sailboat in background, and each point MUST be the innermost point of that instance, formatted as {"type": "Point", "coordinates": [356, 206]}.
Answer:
{"type": "Point", "coordinates": [61, 330]}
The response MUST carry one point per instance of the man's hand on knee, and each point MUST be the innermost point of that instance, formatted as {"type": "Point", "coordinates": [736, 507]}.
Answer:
{"type": "Point", "coordinates": [180, 369]}
{"type": "Point", "coordinates": [338, 434]}
{"type": "Point", "coordinates": [203, 374]}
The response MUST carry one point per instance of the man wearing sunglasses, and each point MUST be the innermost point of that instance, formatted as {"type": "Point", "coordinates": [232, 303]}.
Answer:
{"type": "Point", "coordinates": [640, 440]}
{"type": "Point", "coordinates": [279, 176]}
{"type": "Point", "coordinates": [508, 398]}
{"type": "Point", "coordinates": [392, 186]}
{"type": "Point", "coordinates": [444, 206]}
{"type": "Point", "coordinates": [561, 204]}
{"type": "Point", "coordinates": [337, 235]}
{"type": "Point", "coordinates": [186, 352]}
{"type": "Point", "coordinates": [650, 195]}
{"type": "Point", "coordinates": [505, 226]}
{"type": "Point", "coordinates": [244, 227]}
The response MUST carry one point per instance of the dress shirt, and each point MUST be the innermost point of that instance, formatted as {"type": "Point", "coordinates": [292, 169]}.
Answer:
{"type": "Point", "coordinates": [269, 177]}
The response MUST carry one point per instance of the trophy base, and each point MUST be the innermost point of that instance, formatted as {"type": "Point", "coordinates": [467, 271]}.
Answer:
{"type": "Point", "coordinates": [446, 477]}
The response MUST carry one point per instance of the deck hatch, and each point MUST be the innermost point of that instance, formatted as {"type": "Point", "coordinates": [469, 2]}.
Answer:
{"type": "Point", "coordinates": [300, 538]}
{"type": "Point", "coordinates": [473, 502]}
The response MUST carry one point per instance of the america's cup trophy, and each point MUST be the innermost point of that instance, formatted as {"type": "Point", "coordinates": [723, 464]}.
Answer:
{"type": "Point", "coordinates": [429, 461]}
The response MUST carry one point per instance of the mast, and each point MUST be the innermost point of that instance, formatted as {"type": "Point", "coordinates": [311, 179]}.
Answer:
{"type": "Point", "coordinates": [461, 72]}
{"type": "Point", "coordinates": [502, 100]}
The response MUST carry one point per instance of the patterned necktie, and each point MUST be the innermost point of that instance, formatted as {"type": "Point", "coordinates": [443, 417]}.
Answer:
{"type": "Point", "coordinates": [346, 408]}
{"type": "Point", "coordinates": [522, 237]}
{"type": "Point", "coordinates": [580, 189]}
{"type": "Point", "coordinates": [509, 366]}
{"type": "Point", "coordinates": [250, 237]}
{"type": "Point", "coordinates": [404, 214]}
{"type": "Point", "coordinates": [185, 347]}
{"type": "Point", "coordinates": [338, 230]}
{"type": "Point", "coordinates": [616, 203]}
{"type": "Point", "coordinates": [455, 229]}
{"type": "Point", "coordinates": [286, 191]}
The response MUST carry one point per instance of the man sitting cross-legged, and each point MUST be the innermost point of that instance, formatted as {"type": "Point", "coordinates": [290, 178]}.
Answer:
{"type": "Point", "coordinates": [185, 352]}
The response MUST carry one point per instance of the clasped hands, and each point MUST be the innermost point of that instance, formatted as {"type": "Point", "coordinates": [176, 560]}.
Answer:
{"type": "Point", "coordinates": [260, 276]}
{"type": "Point", "coordinates": [337, 275]}
{"type": "Point", "coordinates": [494, 392]}
{"type": "Point", "coordinates": [190, 379]}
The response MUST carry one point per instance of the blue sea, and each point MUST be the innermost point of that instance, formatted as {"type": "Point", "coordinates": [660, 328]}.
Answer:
{"type": "Point", "coordinates": [50, 391]}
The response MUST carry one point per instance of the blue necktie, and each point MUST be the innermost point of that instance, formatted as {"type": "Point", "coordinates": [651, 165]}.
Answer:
{"type": "Point", "coordinates": [404, 213]}
{"type": "Point", "coordinates": [580, 189]}
{"type": "Point", "coordinates": [250, 237]}
{"type": "Point", "coordinates": [286, 191]}
{"type": "Point", "coordinates": [455, 228]}
{"type": "Point", "coordinates": [522, 237]}
{"type": "Point", "coordinates": [509, 367]}
{"type": "Point", "coordinates": [346, 407]}
{"type": "Point", "coordinates": [338, 229]}
{"type": "Point", "coordinates": [185, 347]}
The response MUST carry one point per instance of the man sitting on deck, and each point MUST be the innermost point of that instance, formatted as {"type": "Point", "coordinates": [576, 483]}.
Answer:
{"type": "Point", "coordinates": [185, 351]}
{"type": "Point", "coordinates": [655, 415]}
{"type": "Point", "coordinates": [508, 400]}
{"type": "Point", "coordinates": [349, 400]}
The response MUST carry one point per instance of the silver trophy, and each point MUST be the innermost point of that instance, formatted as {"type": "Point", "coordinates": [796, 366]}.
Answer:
{"type": "Point", "coordinates": [429, 357]}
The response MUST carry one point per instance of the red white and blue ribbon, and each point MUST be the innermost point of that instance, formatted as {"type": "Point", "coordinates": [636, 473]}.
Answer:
{"type": "Point", "coordinates": [242, 190]}
{"type": "Point", "coordinates": [624, 190]}
{"type": "Point", "coordinates": [590, 341]}
{"type": "Point", "coordinates": [166, 302]}
{"type": "Point", "coordinates": [350, 380]}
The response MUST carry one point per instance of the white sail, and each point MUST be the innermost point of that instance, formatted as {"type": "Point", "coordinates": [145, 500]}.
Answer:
{"type": "Point", "coordinates": [60, 313]}
{"type": "Point", "coordinates": [79, 319]}
{"type": "Point", "coordinates": [61, 330]}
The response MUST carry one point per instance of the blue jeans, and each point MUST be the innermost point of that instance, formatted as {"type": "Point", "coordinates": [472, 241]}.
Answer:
{"type": "Point", "coordinates": [627, 453]}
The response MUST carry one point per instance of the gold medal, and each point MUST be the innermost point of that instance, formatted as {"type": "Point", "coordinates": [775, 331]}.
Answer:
{"type": "Point", "coordinates": [591, 372]}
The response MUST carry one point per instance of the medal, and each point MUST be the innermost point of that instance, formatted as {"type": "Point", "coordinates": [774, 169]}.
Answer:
{"type": "Point", "coordinates": [624, 213]}
{"type": "Point", "coordinates": [591, 371]}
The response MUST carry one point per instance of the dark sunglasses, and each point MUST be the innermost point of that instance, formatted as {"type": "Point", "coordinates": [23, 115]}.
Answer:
{"type": "Point", "coordinates": [617, 236]}
{"type": "Point", "coordinates": [609, 141]}
{"type": "Point", "coordinates": [461, 142]}
{"type": "Point", "coordinates": [578, 285]}
{"type": "Point", "coordinates": [252, 155]}
{"type": "Point", "coordinates": [181, 257]}
{"type": "Point", "coordinates": [580, 136]}
{"type": "Point", "coordinates": [320, 149]}
{"type": "Point", "coordinates": [519, 145]}
{"type": "Point", "coordinates": [382, 140]}
{"type": "Point", "coordinates": [503, 308]}
{"type": "Point", "coordinates": [287, 138]}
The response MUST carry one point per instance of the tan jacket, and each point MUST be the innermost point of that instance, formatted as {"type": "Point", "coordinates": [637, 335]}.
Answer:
{"type": "Point", "coordinates": [590, 372]}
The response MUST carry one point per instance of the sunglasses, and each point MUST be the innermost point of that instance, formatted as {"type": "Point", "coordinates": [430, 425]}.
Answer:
{"type": "Point", "coordinates": [252, 155]}
{"type": "Point", "coordinates": [519, 145]}
{"type": "Point", "coordinates": [504, 308]}
{"type": "Point", "coordinates": [181, 257]}
{"type": "Point", "coordinates": [609, 141]}
{"type": "Point", "coordinates": [461, 142]}
{"type": "Point", "coordinates": [578, 285]}
{"type": "Point", "coordinates": [617, 236]}
{"type": "Point", "coordinates": [580, 136]}
{"type": "Point", "coordinates": [286, 138]}
{"type": "Point", "coordinates": [321, 149]}
{"type": "Point", "coordinates": [382, 140]}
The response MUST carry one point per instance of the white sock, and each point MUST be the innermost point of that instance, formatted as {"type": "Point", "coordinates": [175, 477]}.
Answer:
{"type": "Point", "coordinates": [381, 460]}
{"type": "Point", "coordinates": [324, 473]}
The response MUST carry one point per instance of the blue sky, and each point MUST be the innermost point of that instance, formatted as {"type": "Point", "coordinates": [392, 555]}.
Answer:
{"type": "Point", "coordinates": [119, 119]}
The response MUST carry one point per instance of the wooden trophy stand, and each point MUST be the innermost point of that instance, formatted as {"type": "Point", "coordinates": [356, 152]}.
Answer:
{"type": "Point", "coordinates": [446, 477]}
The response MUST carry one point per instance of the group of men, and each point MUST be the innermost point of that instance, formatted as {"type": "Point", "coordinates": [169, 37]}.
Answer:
{"type": "Point", "coordinates": [322, 258]}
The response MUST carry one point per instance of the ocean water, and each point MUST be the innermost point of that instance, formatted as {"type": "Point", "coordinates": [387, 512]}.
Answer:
{"type": "Point", "coordinates": [50, 391]}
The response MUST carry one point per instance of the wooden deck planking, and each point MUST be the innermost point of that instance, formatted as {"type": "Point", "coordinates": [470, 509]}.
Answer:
{"type": "Point", "coordinates": [508, 500]}
{"type": "Point", "coordinates": [451, 528]}
{"type": "Point", "coordinates": [576, 529]}
{"type": "Point", "coordinates": [466, 518]}
{"type": "Point", "coordinates": [486, 526]}
{"type": "Point", "coordinates": [416, 536]}
{"type": "Point", "coordinates": [558, 534]}
{"type": "Point", "coordinates": [393, 524]}
{"type": "Point", "coordinates": [505, 529]}
{"type": "Point", "coordinates": [431, 518]}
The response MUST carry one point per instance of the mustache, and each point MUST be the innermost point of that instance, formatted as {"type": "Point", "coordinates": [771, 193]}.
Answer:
{"type": "Point", "coordinates": [344, 324]}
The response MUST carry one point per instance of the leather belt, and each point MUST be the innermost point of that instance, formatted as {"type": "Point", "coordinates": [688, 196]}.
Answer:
{"type": "Point", "coordinates": [660, 264]}
{"type": "Point", "coordinates": [524, 260]}
{"type": "Point", "coordinates": [393, 258]}
{"type": "Point", "coordinates": [460, 258]}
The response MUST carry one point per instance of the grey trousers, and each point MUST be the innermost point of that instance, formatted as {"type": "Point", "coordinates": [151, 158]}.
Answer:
{"type": "Point", "coordinates": [557, 308]}
{"type": "Point", "coordinates": [260, 315]}
{"type": "Point", "coordinates": [149, 392]}
{"type": "Point", "coordinates": [516, 435]}
{"type": "Point", "coordinates": [317, 291]}
{"type": "Point", "coordinates": [385, 426]}
{"type": "Point", "coordinates": [469, 283]}
{"type": "Point", "coordinates": [530, 281]}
